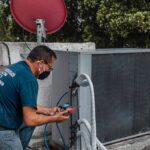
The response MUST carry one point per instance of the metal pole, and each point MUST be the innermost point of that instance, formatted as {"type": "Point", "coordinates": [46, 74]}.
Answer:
{"type": "Point", "coordinates": [41, 30]}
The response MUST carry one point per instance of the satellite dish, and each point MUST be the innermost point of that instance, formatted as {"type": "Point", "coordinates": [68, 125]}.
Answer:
{"type": "Point", "coordinates": [26, 12]}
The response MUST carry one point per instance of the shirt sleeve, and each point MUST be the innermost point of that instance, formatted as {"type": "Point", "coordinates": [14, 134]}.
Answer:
{"type": "Point", "coordinates": [28, 93]}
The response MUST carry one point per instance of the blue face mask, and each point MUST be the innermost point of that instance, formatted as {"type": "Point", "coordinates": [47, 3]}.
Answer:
{"type": "Point", "coordinates": [44, 75]}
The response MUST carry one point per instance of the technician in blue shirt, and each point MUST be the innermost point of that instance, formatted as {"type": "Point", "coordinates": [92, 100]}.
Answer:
{"type": "Point", "coordinates": [18, 99]}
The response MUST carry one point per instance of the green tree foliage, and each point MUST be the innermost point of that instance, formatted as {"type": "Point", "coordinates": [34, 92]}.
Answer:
{"type": "Point", "coordinates": [6, 23]}
{"type": "Point", "coordinates": [9, 29]}
{"type": "Point", "coordinates": [108, 23]}
{"type": "Point", "coordinates": [127, 23]}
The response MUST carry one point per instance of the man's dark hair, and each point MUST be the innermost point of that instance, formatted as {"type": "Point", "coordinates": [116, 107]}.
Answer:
{"type": "Point", "coordinates": [41, 52]}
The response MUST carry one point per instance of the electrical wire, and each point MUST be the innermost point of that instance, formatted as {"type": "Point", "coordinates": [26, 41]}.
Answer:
{"type": "Point", "coordinates": [45, 136]}
{"type": "Point", "coordinates": [63, 140]}
{"type": "Point", "coordinates": [73, 140]}
{"type": "Point", "coordinates": [28, 147]}
{"type": "Point", "coordinates": [23, 34]}
{"type": "Point", "coordinates": [71, 103]}
{"type": "Point", "coordinates": [8, 51]}
{"type": "Point", "coordinates": [62, 98]}
{"type": "Point", "coordinates": [71, 119]}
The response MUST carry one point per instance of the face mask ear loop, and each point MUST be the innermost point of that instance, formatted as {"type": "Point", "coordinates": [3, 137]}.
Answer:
{"type": "Point", "coordinates": [39, 68]}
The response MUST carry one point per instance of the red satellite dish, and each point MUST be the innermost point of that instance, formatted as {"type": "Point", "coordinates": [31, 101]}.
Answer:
{"type": "Point", "coordinates": [25, 13]}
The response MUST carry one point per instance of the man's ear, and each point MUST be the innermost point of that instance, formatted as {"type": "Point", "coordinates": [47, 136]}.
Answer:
{"type": "Point", "coordinates": [42, 61]}
{"type": "Point", "coordinates": [39, 61]}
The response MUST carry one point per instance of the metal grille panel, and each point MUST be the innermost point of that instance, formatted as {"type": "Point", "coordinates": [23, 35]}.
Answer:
{"type": "Point", "coordinates": [122, 94]}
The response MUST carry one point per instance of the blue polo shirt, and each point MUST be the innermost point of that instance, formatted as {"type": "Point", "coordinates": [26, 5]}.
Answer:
{"type": "Point", "coordinates": [18, 88]}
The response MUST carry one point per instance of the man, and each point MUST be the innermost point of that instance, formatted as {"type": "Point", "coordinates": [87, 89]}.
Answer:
{"type": "Point", "coordinates": [18, 99]}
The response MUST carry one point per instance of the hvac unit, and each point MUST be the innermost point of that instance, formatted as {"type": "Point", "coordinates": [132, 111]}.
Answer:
{"type": "Point", "coordinates": [121, 79]}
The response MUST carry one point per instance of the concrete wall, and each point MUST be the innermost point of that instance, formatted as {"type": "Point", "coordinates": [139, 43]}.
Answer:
{"type": "Point", "coordinates": [52, 87]}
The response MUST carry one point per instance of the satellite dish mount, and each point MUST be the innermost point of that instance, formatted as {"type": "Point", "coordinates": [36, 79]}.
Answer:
{"type": "Point", "coordinates": [41, 18]}
{"type": "Point", "coordinates": [41, 30]}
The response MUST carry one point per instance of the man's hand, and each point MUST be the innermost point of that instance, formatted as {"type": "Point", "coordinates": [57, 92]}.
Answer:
{"type": "Point", "coordinates": [55, 109]}
{"type": "Point", "coordinates": [61, 116]}
{"type": "Point", "coordinates": [47, 111]}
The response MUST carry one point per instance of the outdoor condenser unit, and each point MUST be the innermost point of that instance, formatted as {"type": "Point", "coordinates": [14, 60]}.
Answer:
{"type": "Point", "coordinates": [121, 79]}
{"type": "Point", "coordinates": [122, 91]}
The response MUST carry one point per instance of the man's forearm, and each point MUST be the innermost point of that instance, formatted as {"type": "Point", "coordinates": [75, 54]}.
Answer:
{"type": "Point", "coordinates": [32, 118]}
{"type": "Point", "coordinates": [39, 119]}
{"type": "Point", "coordinates": [42, 110]}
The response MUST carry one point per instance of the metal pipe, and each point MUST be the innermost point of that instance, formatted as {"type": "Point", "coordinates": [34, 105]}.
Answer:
{"type": "Point", "coordinates": [127, 138]}
{"type": "Point", "coordinates": [93, 120]}
{"type": "Point", "coordinates": [87, 125]}
{"type": "Point", "coordinates": [86, 139]}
